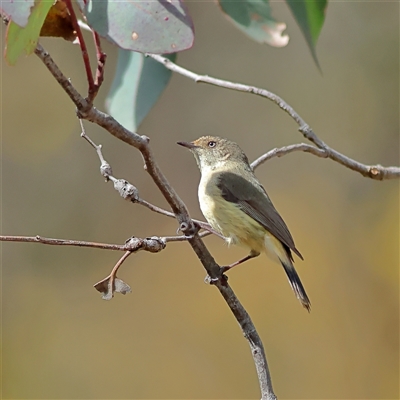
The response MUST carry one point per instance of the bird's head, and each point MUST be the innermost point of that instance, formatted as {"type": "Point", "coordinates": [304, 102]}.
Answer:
{"type": "Point", "coordinates": [213, 152]}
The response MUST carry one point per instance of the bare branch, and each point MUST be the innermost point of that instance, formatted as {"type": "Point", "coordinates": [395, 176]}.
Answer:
{"type": "Point", "coordinates": [62, 242]}
{"type": "Point", "coordinates": [256, 346]}
{"type": "Point", "coordinates": [105, 167]}
{"type": "Point", "coordinates": [279, 152]}
{"type": "Point", "coordinates": [370, 171]}
{"type": "Point", "coordinates": [153, 244]}
{"type": "Point", "coordinates": [231, 85]}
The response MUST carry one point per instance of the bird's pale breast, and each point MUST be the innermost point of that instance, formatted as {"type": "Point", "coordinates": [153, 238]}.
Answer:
{"type": "Point", "coordinates": [228, 219]}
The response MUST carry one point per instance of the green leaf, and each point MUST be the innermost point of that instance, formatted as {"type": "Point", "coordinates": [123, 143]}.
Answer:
{"type": "Point", "coordinates": [162, 26]}
{"type": "Point", "coordinates": [25, 39]}
{"type": "Point", "coordinates": [254, 18]}
{"type": "Point", "coordinates": [138, 83]}
{"type": "Point", "coordinates": [17, 11]}
{"type": "Point", "coordinates": [310, 16]}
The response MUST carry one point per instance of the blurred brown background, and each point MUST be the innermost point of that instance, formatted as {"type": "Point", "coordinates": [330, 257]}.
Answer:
{"type": "Point", "coordinates": [174, 337]}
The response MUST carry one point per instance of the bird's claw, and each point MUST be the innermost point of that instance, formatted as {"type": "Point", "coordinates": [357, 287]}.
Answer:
{"type": "Point", "coordinates": [188, 232]}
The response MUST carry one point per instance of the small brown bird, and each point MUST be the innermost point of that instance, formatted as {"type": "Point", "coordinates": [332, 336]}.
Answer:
{"type": "Point", "coordinates": [236, 205]}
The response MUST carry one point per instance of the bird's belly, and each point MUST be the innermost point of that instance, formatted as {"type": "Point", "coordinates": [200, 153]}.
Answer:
{"type": "Point", "coordinates": [229, 220]}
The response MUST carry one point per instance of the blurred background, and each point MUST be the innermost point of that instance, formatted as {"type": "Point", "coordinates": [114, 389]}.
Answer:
{"type": "Point", "coordinates": [174, 337]}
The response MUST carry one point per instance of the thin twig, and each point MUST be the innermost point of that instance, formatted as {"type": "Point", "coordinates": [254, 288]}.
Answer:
{"type": "Point", "coordinates": [101, 60]}
{"type": "Point", "coordinates": [83, 47]}
{"type": "Point", "coordinates": [159, 210]}
{"type": "Point", "coordinates": [182, 238]}
{"type": "Point", "coordinates": [147, 244]}
{"type": "Point", "coordinates": [153, 244]}
{"type": "Point", "coordinates": [281, 151]}
{"type": "Point", "coordinates": [105, 167]}
{"type": "Point", "coordinates": [63, 242]}
{"type": "Point", "coordinates": [377, 172]}
{"type": "Point", "coordinates": [114, 271]}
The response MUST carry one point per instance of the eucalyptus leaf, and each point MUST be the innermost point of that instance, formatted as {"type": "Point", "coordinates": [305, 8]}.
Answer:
{"type": "Point", "coordinates": [310, 16]}
{"type": "Point", "coordinates": [254, 18]}
{"type": "Point", "coordinates": [17, 11]}
{"type": "Point", "coordinates": [25, 39]}
{"type": "Point", "coordinates": [138, 83]}
{"type": "Point", "coordinates": [162, 26]}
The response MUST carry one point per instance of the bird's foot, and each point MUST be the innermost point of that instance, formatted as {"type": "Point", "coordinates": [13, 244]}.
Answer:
{"type": "Point", "coordinates": [222, 278]}
{"type": "Point", "coordinates": [188, 231]}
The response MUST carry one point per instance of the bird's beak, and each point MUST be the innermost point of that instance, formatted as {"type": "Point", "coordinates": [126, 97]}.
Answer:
{"type": "Point", "coordinates": [188, 145]}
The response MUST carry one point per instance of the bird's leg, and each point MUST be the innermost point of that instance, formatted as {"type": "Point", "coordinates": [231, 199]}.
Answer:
{"type": "Point", "coordinates": [222, 270]}
{"type": "Point", "coordinates": [241, 261]}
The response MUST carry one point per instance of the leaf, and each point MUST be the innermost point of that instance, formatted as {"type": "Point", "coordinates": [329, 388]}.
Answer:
{"type": "Point", "coordinates": [254, 18]}
{"type": "Point", "coordinates": [162, 26]}
{"type": "Point", "coordinates": [310, 16]}
{"type": "Point", "coordinates": [110, 285]}
{"type": "Point", "coordinates": [25, 39]}
{"type": "Point", "coordinates": [17, 11]}
{"type": "Point", "coordinates": [138, 83]}
{"type": "Point", "coordinates": [58, 22]}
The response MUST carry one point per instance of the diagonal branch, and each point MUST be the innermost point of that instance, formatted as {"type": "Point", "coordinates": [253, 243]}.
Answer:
{"type": "Point", "coordinates": [377, 172]}
{"type": "Point", "coordinates": [186, 225]}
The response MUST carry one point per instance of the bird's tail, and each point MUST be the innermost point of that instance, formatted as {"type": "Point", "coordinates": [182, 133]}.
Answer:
{"type": "Point", "coordinates": [296, 284]}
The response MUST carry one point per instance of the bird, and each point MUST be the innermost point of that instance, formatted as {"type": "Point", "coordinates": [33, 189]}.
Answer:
{"type": "Point", "coordinates": [236, 205]}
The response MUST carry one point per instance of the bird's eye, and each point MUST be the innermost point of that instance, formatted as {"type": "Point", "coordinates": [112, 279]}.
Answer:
{"type": "Point", "coordinates": [211, 144]}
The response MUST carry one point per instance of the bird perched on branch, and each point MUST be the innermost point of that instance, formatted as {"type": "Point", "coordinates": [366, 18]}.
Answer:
{"type": "Point", "coordinates": [236, 205]}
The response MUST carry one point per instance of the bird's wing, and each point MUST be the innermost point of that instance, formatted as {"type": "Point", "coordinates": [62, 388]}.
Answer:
{"type": "Point", "coordinates": [255, 202]}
